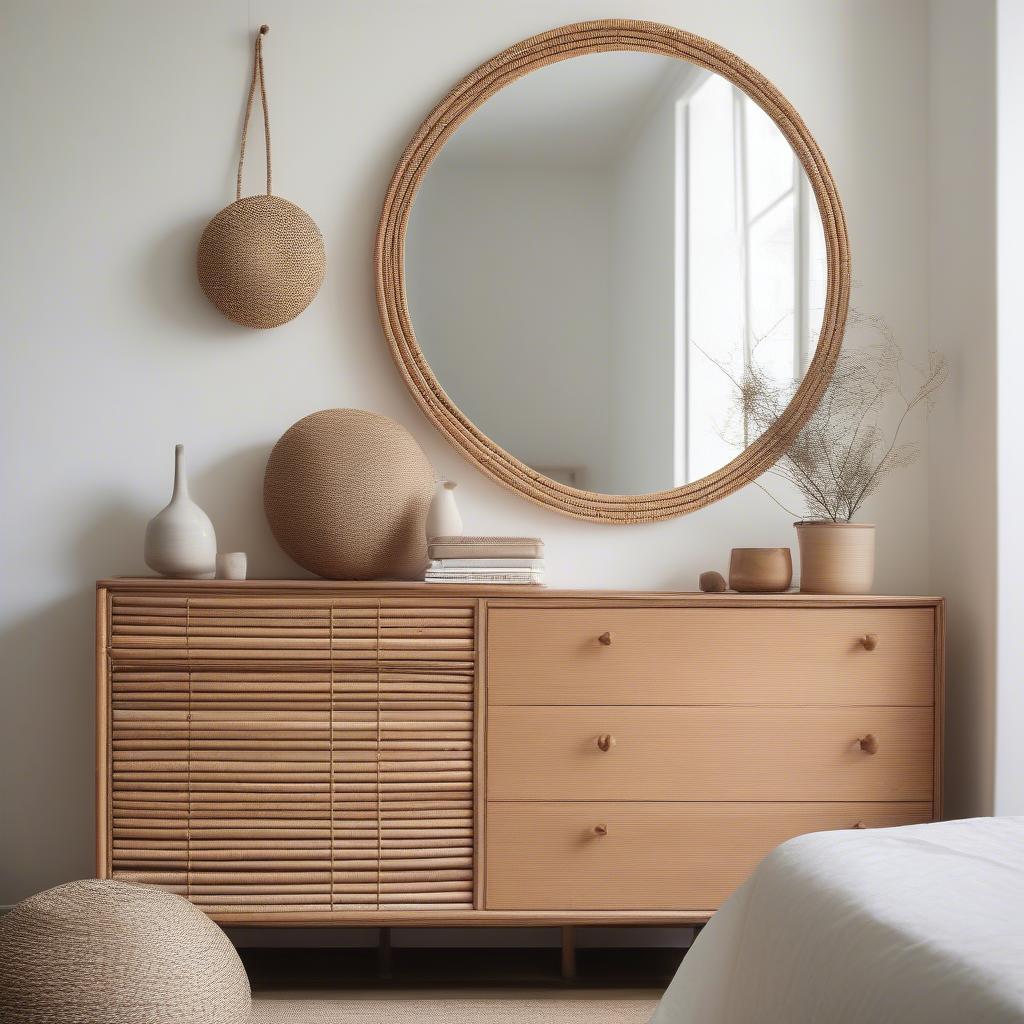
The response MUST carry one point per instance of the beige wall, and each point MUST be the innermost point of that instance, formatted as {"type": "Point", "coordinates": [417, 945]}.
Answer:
{"type": "Point", "coordinates": [119, 122]}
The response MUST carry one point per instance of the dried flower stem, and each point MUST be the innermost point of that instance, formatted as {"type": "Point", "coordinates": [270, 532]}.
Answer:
{"type": "Point", "coordinates": [840, 456]}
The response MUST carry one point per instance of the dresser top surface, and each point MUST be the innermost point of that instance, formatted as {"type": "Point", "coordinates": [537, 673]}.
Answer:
{"type": "Point", "coordinates": [495, 593]}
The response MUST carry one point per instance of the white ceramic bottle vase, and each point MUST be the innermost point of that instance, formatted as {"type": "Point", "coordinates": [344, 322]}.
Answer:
{"type": "Point", "coordinates": [443, 518]}
{"type": "Point", "coordinates": [180, 541]}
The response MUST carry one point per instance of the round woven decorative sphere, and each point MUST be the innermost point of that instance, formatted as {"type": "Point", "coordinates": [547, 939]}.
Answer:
{"type": "Point", "coordinates": [261, 261]}
{"type": "Point", "coordinates": [346, 493]}
{"type": "Point", "coordinates": [106, 952]}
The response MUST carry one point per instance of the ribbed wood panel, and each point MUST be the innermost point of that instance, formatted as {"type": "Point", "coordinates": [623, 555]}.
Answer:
{"type": "Point", "coordinates": [355, 836]}
{"type": "Point", "coordinates": [426, 756]}
{"type": "Point", "coordinates": [221, 785]}
{"type": "Point", "coordinates": [149, 776]}
{"type": "Point", "coordinates": [188, 628]}
{"type": "Point", "coordinates": [280, 755]}
{"type": "Point", "coordinates": [258, 740]}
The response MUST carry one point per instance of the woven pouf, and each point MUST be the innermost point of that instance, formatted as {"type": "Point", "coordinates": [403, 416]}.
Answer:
{"type": "Point", "coordinates": [106, 952]}
{"type": "Point", "coordinates": [346, 494]}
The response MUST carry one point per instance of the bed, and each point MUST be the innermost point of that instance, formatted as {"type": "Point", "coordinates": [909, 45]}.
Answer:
{"type": "Point", "coordinates": [923, 923]}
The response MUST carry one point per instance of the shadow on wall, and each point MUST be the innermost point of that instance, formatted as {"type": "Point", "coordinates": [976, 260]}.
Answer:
{"type": "Point", "coordinates": [49, 706]}
{"type": "Point", "coordinates": [230, 491]}
{"type": "Point", "coordinates": [49, 701]}
{"type": "Point", "coordinates": [167, 279]}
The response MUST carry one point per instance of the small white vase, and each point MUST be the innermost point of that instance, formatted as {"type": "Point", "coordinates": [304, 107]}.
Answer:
{"type": "Point", "coordinates": [180, 541]}
{"type": "Point", "coordinates": [443, 519]}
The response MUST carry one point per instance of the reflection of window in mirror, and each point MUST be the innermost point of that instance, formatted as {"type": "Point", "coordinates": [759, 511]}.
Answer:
{"type": "Point", "coordinates": [750, 266]}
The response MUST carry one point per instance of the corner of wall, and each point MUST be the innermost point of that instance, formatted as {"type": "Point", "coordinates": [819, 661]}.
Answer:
{"type": "Point", "coordinates": [962, 430]}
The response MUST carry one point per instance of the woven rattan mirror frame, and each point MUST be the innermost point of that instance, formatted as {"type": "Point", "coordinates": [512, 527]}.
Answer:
{"type": "Point", "coordinates": [474, 90]}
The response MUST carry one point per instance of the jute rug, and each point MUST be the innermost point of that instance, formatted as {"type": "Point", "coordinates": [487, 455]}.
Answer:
{"type": "Point", "coordinates": [574, 1008]}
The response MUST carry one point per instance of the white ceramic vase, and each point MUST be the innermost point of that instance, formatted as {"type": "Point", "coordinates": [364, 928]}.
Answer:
{"type": "Point", "coordinates": [180, 541]}
{"type": "Point", "coordinates": [443, 518]}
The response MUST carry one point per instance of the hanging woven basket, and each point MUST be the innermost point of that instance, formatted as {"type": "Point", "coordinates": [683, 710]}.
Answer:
{"type": "Point", "coordinates": [261, 260]}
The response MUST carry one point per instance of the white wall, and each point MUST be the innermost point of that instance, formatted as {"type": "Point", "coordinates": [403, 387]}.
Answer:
{"type": "Point", "coordinates": [962, 439]}
{"type": "Point", "coordinates": [120, 124]}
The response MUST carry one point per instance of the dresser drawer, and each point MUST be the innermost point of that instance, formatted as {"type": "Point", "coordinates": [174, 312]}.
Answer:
{"type": "Point", "coordinates": [708, 753]}
{"type": "Point", "coordinates": [711, 656]}
{"type": "Point", "coordinates": [546, 856]}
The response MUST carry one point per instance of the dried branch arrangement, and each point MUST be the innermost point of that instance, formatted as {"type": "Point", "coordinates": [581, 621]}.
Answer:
{"type": "Point", "coordinates": [846, 449]}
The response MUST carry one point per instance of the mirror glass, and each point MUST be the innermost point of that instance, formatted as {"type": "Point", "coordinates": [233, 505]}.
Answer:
{"type": "Point", "coordinates": [597, 257]}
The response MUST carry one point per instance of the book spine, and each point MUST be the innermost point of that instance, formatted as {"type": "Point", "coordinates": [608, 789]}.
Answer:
{"type": "Point", "coordinates": [438, 552]}
{"type": "Point", "coordinates": [487, 564]}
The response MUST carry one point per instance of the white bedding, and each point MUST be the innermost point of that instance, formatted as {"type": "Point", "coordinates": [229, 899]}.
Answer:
{"type": "Point", "coordinates": [916, 925]}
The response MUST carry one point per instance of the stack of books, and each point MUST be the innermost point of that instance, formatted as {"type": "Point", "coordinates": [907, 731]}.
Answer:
{"type": "Point", "coordinates": [513, 560]}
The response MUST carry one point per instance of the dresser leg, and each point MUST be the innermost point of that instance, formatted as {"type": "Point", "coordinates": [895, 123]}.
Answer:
{"type": "Point", "coordinates": [568, 953]}
{"type": "Point", "coordinates": [384, 952]}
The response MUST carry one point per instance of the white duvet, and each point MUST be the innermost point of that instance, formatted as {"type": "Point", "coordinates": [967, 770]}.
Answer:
{"type": "Point", "coordinates": [915, 925]}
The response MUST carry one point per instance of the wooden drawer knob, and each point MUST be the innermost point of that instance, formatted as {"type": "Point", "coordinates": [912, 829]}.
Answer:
{"type": "Point", "coordinates": [869, 743]}
{"type": "Point", "coordinates": [869, 641]}
{"type": "Point", "coordinates": [600, 830]}
{"type": "Point", "coordinates": [605, 741]}
{"type": "Point", "coordinates": [606, 639]}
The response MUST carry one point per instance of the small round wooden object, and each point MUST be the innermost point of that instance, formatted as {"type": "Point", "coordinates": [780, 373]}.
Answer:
{"type": "Point", "coordinates": [605, 639]}
{"type": "Point", "coordinates": [869, 743]}
{"type": "Point", "coordinates": [600, 830]}
{"type": "Point", "coordinates": [605, 742]}
{"type": "Point", "coordinates": [712, 583]}
{"type": "Point", "coordinates": [869, 641]}
{"type": "Point", "coordinates": [859, 824]}
{"type": "Point", "coordinates": [760, 570]}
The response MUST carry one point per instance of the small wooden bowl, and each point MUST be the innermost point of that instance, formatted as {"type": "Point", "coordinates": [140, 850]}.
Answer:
{"type": "Point", "coordinates": [760, 570]}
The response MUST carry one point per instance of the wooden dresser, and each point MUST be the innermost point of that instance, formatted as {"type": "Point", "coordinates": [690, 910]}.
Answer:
{"type": "Point", "coordinates": [311, 752]}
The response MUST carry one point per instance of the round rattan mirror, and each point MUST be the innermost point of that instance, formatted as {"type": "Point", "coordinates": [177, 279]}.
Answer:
{"type": "Point", "coordinates": [598, 234]}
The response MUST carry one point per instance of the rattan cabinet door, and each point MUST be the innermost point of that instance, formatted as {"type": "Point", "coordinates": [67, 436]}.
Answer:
{"type": "Point", "coordinates": [149, 798]}
{"type": "Point", "coordinates": [427, 664]}
{"type": "Point", "coordinates": [259, 790]}
{"type": "Point", "coordinates": [278, 756]}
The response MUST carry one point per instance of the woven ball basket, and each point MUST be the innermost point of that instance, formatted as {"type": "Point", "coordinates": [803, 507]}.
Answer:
{"type": "Point", "coordinates": [346, 494]}
{"type": "Point", "coordinates": [106, 952]}
{"type": "Point", "coordinates": [261, 260]}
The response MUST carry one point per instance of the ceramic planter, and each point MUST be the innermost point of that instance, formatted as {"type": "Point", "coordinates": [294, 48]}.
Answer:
{"type": "Point", "coordinates": [836, 558]}
{"type": "Point", "coordinates": [760, 570]}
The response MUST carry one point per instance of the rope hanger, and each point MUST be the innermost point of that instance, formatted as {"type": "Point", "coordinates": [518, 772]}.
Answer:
{"type": "Point", "coordinates": [260, 260]}
{"type": "Point", "coordinates": [257, 75]}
